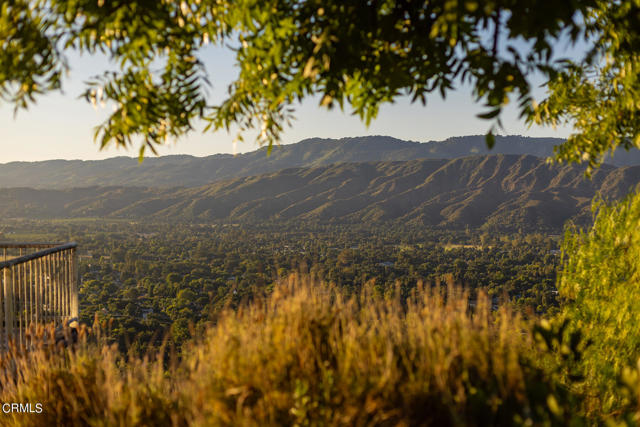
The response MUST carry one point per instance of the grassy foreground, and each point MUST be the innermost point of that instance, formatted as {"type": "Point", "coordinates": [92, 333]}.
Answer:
{"type": "Point", "coordinates": [307, 355]}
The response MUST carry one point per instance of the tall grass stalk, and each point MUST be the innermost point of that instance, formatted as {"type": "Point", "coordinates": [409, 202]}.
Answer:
{"type": "Point", "coordinates": [306, 355]}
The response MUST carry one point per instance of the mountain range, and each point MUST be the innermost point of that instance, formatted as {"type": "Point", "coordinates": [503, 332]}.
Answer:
{"type": "Point", "coordinates": [189, 171]}
{"type": "Point", "coordinates": [502, 190]}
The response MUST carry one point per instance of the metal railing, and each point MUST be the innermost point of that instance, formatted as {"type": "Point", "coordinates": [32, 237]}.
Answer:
{"type": "Point", "coordinates": [38, 285]}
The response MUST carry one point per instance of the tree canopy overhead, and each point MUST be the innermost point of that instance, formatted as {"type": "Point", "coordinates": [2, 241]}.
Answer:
{"type": "Point", "coordinates": [354, 54]}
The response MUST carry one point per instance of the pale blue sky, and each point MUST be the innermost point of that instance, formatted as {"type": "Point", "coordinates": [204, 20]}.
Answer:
{"type": "Point", "coordinates": [61, 126]}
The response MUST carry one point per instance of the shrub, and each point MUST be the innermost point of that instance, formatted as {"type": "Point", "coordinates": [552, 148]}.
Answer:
{"type": "Point", "coordinates": [91, 384]}
{"type": "Point", "coordinates": [599, 282]}
{"type": "Point", "coordinates": [308, 354]}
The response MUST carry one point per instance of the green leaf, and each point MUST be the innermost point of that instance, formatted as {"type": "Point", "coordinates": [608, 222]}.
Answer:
{"type": "Point", "coordinates": [490, 139]}
{"type": "Point", "coordinates": [489, 115]}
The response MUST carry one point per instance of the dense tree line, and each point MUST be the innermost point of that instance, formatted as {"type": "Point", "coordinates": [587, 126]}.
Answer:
{"type": "Point", "coordinates": [149, 281]}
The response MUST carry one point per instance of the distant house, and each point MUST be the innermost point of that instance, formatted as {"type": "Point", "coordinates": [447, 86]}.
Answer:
{"type": "Point", "coordinates": [386, 264]}
{"type": "Point", "coordinates": [147, 235]}
{"type": "Point", "coordinates": [554, 251]}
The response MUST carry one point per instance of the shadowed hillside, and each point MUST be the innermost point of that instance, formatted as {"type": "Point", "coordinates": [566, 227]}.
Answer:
{"type": "Point", "coordinates": [188, 171]}
{"type": "Point", "coordinates": [501, 190]}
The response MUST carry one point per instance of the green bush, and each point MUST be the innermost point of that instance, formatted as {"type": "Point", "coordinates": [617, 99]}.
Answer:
{"type": "Point", "coordinates": [599, 282]}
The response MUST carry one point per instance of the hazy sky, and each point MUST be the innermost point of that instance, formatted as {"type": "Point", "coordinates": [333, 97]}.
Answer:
{"type": "Point", "coordinates": [61, 126]}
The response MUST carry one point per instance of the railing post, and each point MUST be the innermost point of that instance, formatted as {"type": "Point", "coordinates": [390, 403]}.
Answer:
{"type": "Point", "coordinates": [38, 288]}
{"type": "Point", "coordinates": [32, 290]}
{"type": "Point", "coordinates": [55, 285]}
{"type": "Point", "coordinates": [2, 310]}
{"type": "Point", "coordinates": [19, 300]}
{"type": "Point", "coordinates": [75, 281]}
{"type": "Point", "coordinates": [67, 284]}
{"type": "Point", "coordinates": [8, 303]}
{"type": "Point", "coordinates": [50, 265]}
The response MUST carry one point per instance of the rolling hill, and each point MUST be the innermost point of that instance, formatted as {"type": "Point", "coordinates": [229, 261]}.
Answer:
{"type": "Point", "coordinates": [188, 171]}
{"type": "Point", "coordinates": [500, 190]}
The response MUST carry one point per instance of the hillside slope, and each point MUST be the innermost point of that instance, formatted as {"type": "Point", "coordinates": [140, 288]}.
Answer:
{"type": "Point", "coordinates": [501, 190]}
{"type": "Point", "coordinates": [188, 171]}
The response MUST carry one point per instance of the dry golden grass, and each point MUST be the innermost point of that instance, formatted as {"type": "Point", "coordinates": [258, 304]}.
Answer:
{"type": "Point", "coordinates": [305, 355]}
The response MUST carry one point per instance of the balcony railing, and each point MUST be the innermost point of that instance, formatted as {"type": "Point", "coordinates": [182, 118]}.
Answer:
{"type": "Point", "coordinates": [38, 286]}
